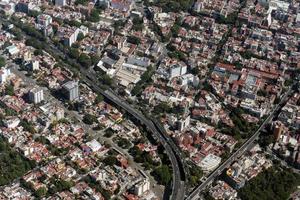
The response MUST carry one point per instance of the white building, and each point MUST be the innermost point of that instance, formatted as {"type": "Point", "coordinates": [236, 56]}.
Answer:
{"type": "Point", "coordinates": [210, 162]}
{"type": "Point", "coordinates": [71, 37]}
{"type": "Point", "coordinates": [4, 74]}
{"type": "Point", "coordinates": [36, 95]}
{"type": "Point", "coordinates": [94, 145]}
{"type": "Point", "coordinates": [60, 2]}
{"type": "Point", "coordinates": [177, 70]}
{"type": "Point", "coordinates": [84, 30]}
{"type": "Point", "coordinates": [44, 20]}
{"type": "Point", "coordinates": [11, 123]}
{"type": "Point", "coordinates": [34, 65]}
{"type": "Point", "coordinates": [12, 50]}
{"type": "Point", "coordinates": [7, 7]}
{"type": "Point", "coordinates": [184, 123]}
{"type": "Point", "coordinates": [141, 187]}
{"type": "Point", "coordinates": [71, 90]}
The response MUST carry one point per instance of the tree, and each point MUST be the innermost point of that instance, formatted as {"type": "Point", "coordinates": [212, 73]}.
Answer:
{"type": "Point", "coordinates": [137, 24]}
{"type": "Point", "coordinates": [9, 90]}
{"type": "Point", "coordinates": [80, 36]}
{"type": "Point", "coordinates": [99, 99]}
{"type": "Point", "coordinates": [124, 143]}
{"type": "Point", "coordinates": [81, 2]}
{"type": "Point", "coordinates": [12, 164]}
{"type": "Point", "coordinates": [28, 126]}
{"type": "Point", "coordinates": [33, 13]}
{"type": "Point", "coordinates": [133, 40]}
{"type": "Point", "coordinates": [175, 30]}
{"type": "Point", "coordinates": [162, 107]}
{"type": "Point", "coordinates": [40, 192]}
{"type": "Point", "coordinates": [162, 174]}
{"type": "Point", "coordinates": [110, 160]}
{"type": "Point", "coordinates": [89, 119]}
{"type": "Point", "coordinates": [38, 52]}
{"type": "Point", "coordinates": [105, 79]}
{"type": "Point", "coordinates": [84, 60]}
{"type": "Point", "coordinates": [273, 183]}
{"type": "Point", "coordinates": [95, 59]}
{"type": "Point", "coordinates": [2, 62]}
{"type": "Point", "coordinates": [74, 53]}
{"type": "Point", "coordinates": [94, 16]}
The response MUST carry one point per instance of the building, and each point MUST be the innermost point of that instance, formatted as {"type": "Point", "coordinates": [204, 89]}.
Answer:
{"type": "Point", "coordinates": [70, 36]}
{"type": "Point", "coordinates": [27, 56]}
{"type": "Point", "coordinates": [8, 8]}
{"type": "Point", "coordinates": [36, 95]}
{"type": "Point", "coordinates": [12, 50]}
{"type": "Point", "coordinates": [183, 123]}
{"type": "Point", "coordinates": [60, 2]}
{"type": "Point", "coordinates": [4, 74]}
{"type": "Point", "coordinates": [23, 6]}
{"type": "Point", "coordinates": [177, 70]}
{"type": "Point", "coordinates": [141, 187]}
{"type": "Point", "coordinates": [34, 65]}
{"type": "Point", "coordinates": [71, 90]}
{"type": "Point", "coordinates": [44, 20]}
{"type": "Point", "coordinates": [11, 122]}
{"type": "Point", "coordinates": [210, 162]}
{"type": "Point", "coordinates": [277, 131]}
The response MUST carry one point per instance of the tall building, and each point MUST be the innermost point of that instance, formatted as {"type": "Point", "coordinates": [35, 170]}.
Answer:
{"type": "Point", "coordinates": [44, 20]}
{"type": "Point", "coordinates": [141, 187]}
{"type": "Point", "coordinates": [60, 2]}
{"type": "Point", "coordinates": [34, 65]}
{"type": "Point", "coordinates": [278, 128]}
{"type": "Point", "coordinates": [4, 74]}
{"type": "Point", "coordinates": [71, 91]}
{"type": "Point", "coordinates": [177, 70]}
{"type": "Point", "coordinates": [36, 95]}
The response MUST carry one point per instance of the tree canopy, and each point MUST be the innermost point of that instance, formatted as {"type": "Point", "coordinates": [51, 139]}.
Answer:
{"type": "Point", "coordinates": [12, 164]}
{"type": "Point", "coordinates": [2, 62]}
{"type": "Point", "coordinates": [273, 184]}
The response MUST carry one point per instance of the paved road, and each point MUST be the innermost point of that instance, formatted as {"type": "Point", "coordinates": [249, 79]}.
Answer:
{"type": "Point", "coordinates": [178, 188]}
{"type": "Point", "coordinates": [195, 194]}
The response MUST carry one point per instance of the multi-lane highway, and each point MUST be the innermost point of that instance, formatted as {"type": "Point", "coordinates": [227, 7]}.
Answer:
{"type": "Point", "coordinates": [195, 194]}
{"type": "Point", "coordinates": [178, 187]}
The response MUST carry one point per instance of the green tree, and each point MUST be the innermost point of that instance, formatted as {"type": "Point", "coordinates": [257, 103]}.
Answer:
{"type": "Point", "coordinates": [89, 119]}
{"type": "Point", "coordinates": [99, 99]}
{"type": "Point", "coordinates": [162, 174]}
{"type": "Point", "coordinates": [133, 40]}
{"type": "Point", "coordinates": [81, 2]}
{"type": "Point", "coordinates": [42, 191]}
{"type": "Point", "coordinates": [9, 90]}
{"type": "Point", "coordinates": [80, 36]}
{"type": "Point", "coordinates": [74, 53]}
{"type": "Point", "coordinates": [94, 16]}
{"type": "Point", "coordinates": [84, 60]}
{"type": "Point", "coordinates": [110, 160]}
{"type": "Point", "coordinates": [2, 62]}
{"type": "Point", "coordinates": [38, 52]}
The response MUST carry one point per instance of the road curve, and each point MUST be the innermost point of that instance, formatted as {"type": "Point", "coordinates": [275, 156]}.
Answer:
{"type": "Point", "coordinates": [178, 187]}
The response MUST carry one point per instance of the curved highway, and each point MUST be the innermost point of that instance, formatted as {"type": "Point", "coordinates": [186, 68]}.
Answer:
{"type": "Point", "coordinates": [178, 187]}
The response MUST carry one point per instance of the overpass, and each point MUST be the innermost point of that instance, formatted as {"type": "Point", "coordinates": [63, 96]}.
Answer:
{"type": "Point", "coordinates": [178, 186]}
